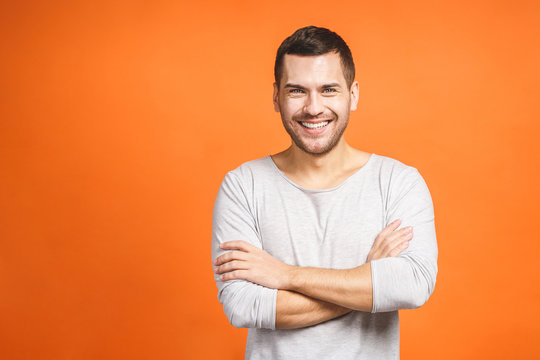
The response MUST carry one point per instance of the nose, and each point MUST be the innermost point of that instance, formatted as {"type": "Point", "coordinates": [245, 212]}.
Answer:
{"type": "Point", "coordinates": [314, 105]}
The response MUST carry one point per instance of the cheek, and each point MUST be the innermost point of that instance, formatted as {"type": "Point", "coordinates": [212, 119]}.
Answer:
{"type": "Point", "coordinates": [289, 108]}
{"type": "Point", "coordinates": [341, 108]}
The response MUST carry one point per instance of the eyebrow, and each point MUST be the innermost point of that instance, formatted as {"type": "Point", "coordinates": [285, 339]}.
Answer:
{"type": "Point", "coordinates": [330, 85]}
{"type": "Point", "coordinates": [297, 86]}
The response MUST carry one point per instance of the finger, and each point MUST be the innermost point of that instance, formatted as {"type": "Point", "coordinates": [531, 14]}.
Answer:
{"type": "Point", "coordinates": [405, 230]}
{"type": "Point", "coordinates": [394, 240]}
{"type": "Point", "coordinates": [398, 234]}
{"type": "Point", "coordinates": [386, 231]}
{"type": "Point", "coordinates": [231, 255]}
{"type": "Point", "coordinates": [386, 240]}
{"type": "Point", "coordinates": [231, 266]}
{"type": "Point", "coordinates": [392, 226]}
{"type": "Point", "coordinates": [233, 275]}
{"type": "Point", "coordinates": [237, 244]}
{"type": "Point", "coordinates": [398, 249]}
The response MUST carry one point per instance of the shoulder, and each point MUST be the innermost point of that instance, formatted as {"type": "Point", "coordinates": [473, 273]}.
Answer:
{"type": "Point", "coordinates": [396, 173]}
{"type": "Point", "coordinates": [250, 172]}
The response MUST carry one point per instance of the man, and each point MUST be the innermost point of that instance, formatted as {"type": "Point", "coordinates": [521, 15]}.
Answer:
{"type": "Point", "coordinates": [306, 248]}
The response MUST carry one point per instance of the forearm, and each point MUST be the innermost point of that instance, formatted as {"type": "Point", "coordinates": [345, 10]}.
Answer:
{"type": "Point", "coordinates": [348, 288]}
{"type": "Point", "coordinates": [295, 310]}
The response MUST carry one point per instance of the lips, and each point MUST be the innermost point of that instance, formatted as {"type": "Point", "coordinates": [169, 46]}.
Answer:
{"type": "Point", "coordinates": [312, 127]}
{"type": "Point", "coordinates": [315, 121]}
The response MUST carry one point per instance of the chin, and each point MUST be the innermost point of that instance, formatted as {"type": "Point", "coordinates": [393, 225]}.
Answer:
{"type": "Point", "coordinates": [316, 151]}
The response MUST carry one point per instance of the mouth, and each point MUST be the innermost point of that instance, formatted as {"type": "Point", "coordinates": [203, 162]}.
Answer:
{"type": "Point", "coordinates": [314, 125]}
{"type": "Point", "coordinates": [317, 125]}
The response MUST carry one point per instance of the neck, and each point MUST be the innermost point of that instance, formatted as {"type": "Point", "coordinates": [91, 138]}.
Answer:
{"type": "Point", "coordinates": [314, 166]}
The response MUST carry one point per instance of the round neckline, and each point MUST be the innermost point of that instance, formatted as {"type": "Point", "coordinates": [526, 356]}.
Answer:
{"type": "Point", "coordinates": [282, 174]}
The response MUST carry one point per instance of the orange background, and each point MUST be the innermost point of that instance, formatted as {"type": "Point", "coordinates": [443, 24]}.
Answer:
{"type": "Point", "coordinates": [120, 119]}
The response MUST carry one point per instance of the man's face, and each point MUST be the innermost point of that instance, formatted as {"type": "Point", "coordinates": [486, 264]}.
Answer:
{"type": "Point", "coordinates": [314, 101]}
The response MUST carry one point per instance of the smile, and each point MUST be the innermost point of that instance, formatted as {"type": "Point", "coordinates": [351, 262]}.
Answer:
{"type": "Point", "coordinates": [314, 126]}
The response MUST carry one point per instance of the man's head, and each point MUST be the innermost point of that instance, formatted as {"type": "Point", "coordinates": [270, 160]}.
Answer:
{"type": "Point", "coordinates": [315, 88]}
{"type": "Point", "coordinates": [312, 41]}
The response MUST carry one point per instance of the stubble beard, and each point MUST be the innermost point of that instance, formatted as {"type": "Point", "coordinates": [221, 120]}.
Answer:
{"type": "Point", "coordinates": [334, 139]}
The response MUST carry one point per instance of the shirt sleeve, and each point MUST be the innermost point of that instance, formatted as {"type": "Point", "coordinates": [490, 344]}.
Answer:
{"type": "Point", "coordinates": [407, 280]}
{"type": "Point", "coordinates": [246, 304]}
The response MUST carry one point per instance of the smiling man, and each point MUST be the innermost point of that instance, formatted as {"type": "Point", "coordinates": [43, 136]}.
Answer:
{"type": "Point", "coordinates": [313, 247]}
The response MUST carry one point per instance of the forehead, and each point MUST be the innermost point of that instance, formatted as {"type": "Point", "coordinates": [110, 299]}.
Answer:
{"type": "Point", "coordinates": [312, 70]}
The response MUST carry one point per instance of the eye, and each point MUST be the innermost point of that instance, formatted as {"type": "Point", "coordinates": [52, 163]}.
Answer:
{"type": "Point", "coordinates": [296, 91]}
{"type": "Point", "coordinates": [329, 90]}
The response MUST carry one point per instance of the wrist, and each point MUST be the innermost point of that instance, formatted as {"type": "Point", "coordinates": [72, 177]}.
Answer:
{"type": "Point", "coordinates": [291, 278]}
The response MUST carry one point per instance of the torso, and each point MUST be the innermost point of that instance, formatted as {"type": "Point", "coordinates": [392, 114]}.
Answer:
{"type": "Point", "coordinates": [332, 229]}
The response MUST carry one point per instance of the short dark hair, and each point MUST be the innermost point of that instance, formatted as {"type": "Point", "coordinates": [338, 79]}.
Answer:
{"type": "Point", "coordinates": [312, 41]}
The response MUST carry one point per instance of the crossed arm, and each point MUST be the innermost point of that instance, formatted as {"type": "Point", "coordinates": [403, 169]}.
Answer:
{"type": "Point", "coordinates": [308, 296]}
{"type": "Point", "coordinates": [296, 310]}
{"type": "Point", "coordinates": [259, 291]}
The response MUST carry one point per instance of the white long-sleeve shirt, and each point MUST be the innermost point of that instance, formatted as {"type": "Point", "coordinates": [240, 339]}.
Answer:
{"type": "Point", "coordinates": [331, 228]}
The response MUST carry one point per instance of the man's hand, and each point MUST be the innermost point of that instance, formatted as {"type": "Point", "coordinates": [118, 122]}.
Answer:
{"type": "Point", "coordinates": [252, 264]}
{"type": "Point", "coordinates": [390, 243]}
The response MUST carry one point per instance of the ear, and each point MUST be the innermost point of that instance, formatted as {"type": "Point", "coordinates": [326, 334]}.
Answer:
{"type": "Point", "coordinates": [355, 90]}
{"type": "Point", "coordinates": [276, 97]}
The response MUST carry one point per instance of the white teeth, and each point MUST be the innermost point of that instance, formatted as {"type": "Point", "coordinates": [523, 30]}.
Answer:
{"type": "Point", "coordinates": [315, 126]}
